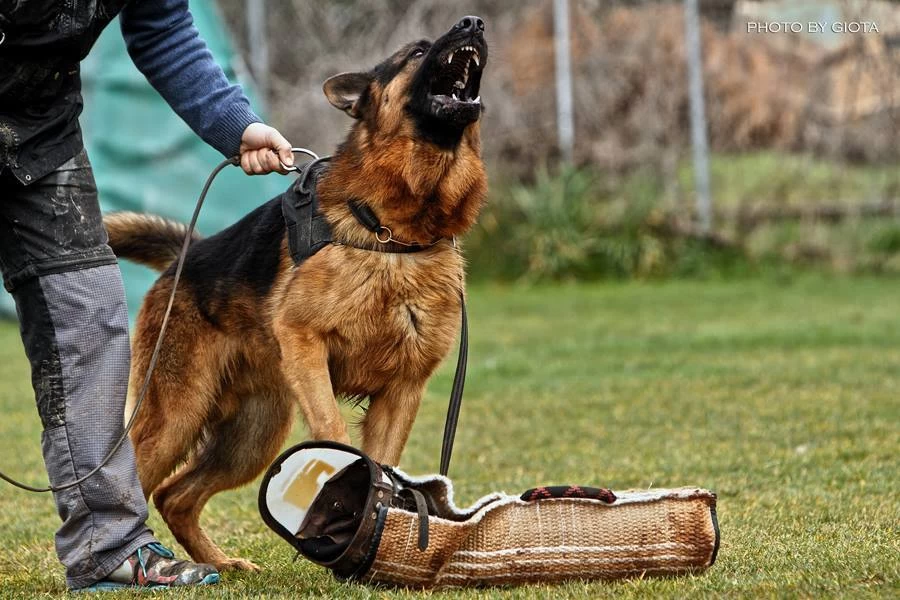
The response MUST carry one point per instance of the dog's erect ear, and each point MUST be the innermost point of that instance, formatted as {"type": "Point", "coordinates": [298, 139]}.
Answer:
{"type": "Point", "coordinates": [344, 91]}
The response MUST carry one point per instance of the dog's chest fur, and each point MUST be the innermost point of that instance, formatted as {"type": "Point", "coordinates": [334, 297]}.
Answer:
{"type": "Point", "coordinates": [385, 318]}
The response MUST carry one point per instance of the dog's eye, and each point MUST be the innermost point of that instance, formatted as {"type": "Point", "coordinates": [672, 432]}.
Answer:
{"type": "Point", "coordinates": [417, 53]}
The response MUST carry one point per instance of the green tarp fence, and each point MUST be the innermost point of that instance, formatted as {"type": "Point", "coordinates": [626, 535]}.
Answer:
{"type": "Point", "coordinates": [146, 159]}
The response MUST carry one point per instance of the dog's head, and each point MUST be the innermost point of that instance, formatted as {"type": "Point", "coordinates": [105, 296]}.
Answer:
{"type": "Point", "coordinates": [426, 90]}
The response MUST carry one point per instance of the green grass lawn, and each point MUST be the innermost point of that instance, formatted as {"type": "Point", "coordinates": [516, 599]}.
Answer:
{"type": "Point", "coordinates": [781, 395]}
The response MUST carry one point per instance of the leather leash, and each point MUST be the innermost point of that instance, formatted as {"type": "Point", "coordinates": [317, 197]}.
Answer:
{"type": "Point", "coordinates": [458, 379]}
{"type": "Point", "coordinates": [234, 160]}
{"type": "Point", "coordinates": [456, 392]}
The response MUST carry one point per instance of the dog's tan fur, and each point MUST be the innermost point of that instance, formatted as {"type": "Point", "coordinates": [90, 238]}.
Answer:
{"type": "Point", "coordinates": [347, 322]}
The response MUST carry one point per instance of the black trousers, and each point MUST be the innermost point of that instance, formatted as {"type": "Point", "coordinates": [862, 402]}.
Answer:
{"type": "Point", "coordinates": [51, 226]}
{"type": "Point", "coordinates": [74, 324]}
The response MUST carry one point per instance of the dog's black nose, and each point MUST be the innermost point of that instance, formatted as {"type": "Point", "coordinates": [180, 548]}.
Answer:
{"type": "Point", "coordinates": [471, 24]}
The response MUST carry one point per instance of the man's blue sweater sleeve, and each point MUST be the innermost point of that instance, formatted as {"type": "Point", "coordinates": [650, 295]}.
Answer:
{"type": "Point", "coordinates": [166, 47]}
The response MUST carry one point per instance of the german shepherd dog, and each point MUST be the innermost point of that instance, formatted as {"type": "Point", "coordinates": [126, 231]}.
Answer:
{"type": "Point", "coordinates": [252, 335]}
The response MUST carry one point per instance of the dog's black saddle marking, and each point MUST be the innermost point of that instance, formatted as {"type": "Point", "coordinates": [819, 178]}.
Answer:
{"type": "Point", "coordinates": [307, 229]}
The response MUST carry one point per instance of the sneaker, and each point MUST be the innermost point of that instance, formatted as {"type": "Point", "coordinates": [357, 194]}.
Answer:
{"type": "Point", "coordinates": [155, 566]}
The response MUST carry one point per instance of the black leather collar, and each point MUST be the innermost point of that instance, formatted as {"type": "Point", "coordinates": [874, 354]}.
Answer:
{"type": "Point", "coordinates": [366, 217]}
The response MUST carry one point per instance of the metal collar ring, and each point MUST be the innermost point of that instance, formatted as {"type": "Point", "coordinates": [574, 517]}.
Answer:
{"type": "Point", "coordinates": [390, 235]}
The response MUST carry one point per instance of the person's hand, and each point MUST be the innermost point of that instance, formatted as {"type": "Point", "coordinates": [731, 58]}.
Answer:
{"type": "Point", "coordinates": [262, 147]}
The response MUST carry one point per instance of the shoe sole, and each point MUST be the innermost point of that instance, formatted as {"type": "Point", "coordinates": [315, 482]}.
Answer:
{"type": "Point", "coordinates": [110, 586]}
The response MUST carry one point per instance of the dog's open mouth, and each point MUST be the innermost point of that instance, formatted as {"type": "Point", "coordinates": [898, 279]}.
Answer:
{"type": "Point", "coordinates": [458, 77]}
{"type": "Point", "coordinates": [455, 84]}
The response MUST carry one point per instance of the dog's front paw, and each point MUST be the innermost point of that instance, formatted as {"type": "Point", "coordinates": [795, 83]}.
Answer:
{"type": "Point", "coordinates": [236, 564]}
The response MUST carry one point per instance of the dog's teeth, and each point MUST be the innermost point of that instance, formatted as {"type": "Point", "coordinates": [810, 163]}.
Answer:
{"type": "Point", "coordinates": [450, 58]}
{"type": "Point", "coordinates": [477, 100]}
{"type": "Point", "coordinates": [475, 58]}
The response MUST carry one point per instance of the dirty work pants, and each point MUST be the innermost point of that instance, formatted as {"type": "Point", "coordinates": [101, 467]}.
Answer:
{"type": "Point", "coordinates": [74, 324]}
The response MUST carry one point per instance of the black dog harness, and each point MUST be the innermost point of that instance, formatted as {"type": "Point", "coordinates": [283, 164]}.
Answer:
{"type": "Point", "coordinates": [308, 232]}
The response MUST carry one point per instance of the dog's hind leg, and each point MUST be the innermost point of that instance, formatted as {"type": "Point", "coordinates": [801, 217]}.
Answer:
{"type": "Point", "coordinates": [181, 394]}
{"type": "Point", "coordinates": [234, 450]}
{"type": "Point", "coordinates": [389, 419]}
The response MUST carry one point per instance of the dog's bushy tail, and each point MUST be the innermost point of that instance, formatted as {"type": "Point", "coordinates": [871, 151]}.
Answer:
{"type": "Point", "coordinates": [146, 239]}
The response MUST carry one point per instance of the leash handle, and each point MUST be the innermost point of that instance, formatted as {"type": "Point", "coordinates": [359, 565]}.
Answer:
{"type": "Point", "coordinates": [456, 393]}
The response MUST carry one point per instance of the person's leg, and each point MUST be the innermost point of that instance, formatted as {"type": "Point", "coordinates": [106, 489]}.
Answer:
{"type": "Point", "coordinates": [74, 323]}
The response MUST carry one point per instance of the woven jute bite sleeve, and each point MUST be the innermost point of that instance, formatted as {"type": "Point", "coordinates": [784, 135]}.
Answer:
{"type": "Point", "coordinates": [503, 540]}
{"type": "Point", "coordinates": [375, 524]}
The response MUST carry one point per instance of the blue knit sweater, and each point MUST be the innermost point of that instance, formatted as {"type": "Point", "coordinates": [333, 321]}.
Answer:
{"type": "Point", "coordinates": [166, 47]}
